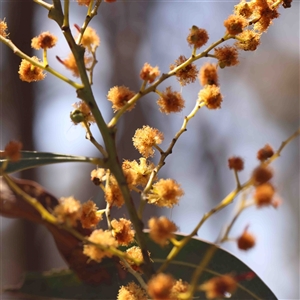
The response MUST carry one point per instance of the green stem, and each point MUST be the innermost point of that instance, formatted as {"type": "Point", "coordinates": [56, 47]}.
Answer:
{"type": "Point", "coordinates": [86, 94]}
{"type": "Point", "coordinates": [66, 13]}
{"type": "Point", "coordinates": [44, 4]}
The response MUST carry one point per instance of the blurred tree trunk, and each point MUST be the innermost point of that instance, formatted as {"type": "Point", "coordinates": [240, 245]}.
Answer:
{"type": "Point", "coordinates": [18, 109]}
{"type": "Point", "coordinates": [127, 36]}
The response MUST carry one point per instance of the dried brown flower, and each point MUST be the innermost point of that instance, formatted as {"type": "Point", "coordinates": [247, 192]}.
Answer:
{"type": "Point", "coordinates": [113, 194]}
{"type": "Point", "coordinates": [83, 2]}
{"type": "Point", "coordinates": [263, 195]}
{"type": "Point", "coordinates": [170, 102]}
{"type": "Point", "coordinates": [186, 75]}
{"type": "Point", "coordinates": [211, 96]}
{"type": "Point", "coordinates": [45, 40]}
{"type": "Point", "coordinates": [227, 56]}
{"type": "Point", "coordinates": [217, 287]}
{"type": "Point", "coordinates": [248, 40]}
{"type": "Point", "coordinates": [246, 241]}
{"type": "Point", "coordinates": [243, 9]}
{"type": "Point", "coordinates": [122, 231]}
{"type": "Point", "coordinates": [235, 24]}
{"type": "Point", "coordinates": [287, 3]}
{"type": "Point", "coordinates": [208, 74]}
{"type": "Point", "coordinates": [12, 151]}
{"type": "Point", "coordinates": [97, 176]}
{"type": "Point", "coordinates": [198, 37]}
{"type": "Point", "coordinates": [88, 215]}
{"type": "Point", "coordinates": [236, 163]}
{"type": "Point", "coordinates": [262, 174]}
{"type": "Point", "coordinates": [265, 153]}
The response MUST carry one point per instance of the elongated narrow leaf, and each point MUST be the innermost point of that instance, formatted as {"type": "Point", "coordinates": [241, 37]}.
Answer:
{"type": "Point", "coordinates": [65, 284]}
{"type": "Point", "coordinates": [33, 159]}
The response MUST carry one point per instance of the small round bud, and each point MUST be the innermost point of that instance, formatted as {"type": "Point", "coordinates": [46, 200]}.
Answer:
{"type": "Point", "coordinates": [265, 152]}
{"type": "Point", "coordinates": [76, 116]}
{"type": "Point", "coordinates": [261, 175]}
{"type": "Point", "coordinates": [236, 163]}
{"type": "Point", "coordinates": [246, 241]}
{"type": "Point", "coordinates": [263, 195]}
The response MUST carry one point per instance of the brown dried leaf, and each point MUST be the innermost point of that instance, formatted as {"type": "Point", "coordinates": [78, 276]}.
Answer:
{"type": "Point", "coordinates": [14, 206]}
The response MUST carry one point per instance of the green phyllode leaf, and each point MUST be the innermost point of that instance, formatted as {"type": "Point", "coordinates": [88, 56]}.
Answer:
{"type": "Point", "coordinates": [65, 284]}
{"type": "Point", "coordinates": [33, 159]}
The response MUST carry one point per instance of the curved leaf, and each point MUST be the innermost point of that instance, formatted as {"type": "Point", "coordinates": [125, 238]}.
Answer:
{"type": "Point", "coordinates": [32, 159]}
{"type": "Point", "coordinates": [65, 284]}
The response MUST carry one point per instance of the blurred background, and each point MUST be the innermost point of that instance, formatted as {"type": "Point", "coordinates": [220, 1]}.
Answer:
{"type": "Point", "coordinates": [261, 105]}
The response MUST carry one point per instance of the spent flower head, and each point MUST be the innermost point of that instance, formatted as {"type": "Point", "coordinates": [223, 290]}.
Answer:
{"type": "Point", "coordinates": [211, 96]}
{"type": "Point", "coordinates": [265, 153]}
{"type": "Point", "coordinates": [227, 56]}
{"type": "Point", "coordinates": [122, 231]}
{"type": "Point", "coordinates": [12, 151]}
{"type": "Point", "coordinates": [113, 194]}
{"type": "Point", "coordinates": [243, 9]}
{"type": "Point", "coordinates": [45, 40]}
{"type": "Point", "coordinates": [246, 241]}
{"type": "Point", "coordinates": [88, 215]}
{"type": "Point", "coordinates": [84, 2]}
{"type": "Point", "coordinates": [235, 24]}
{"type": "Point", "coordinates": [208, 74]}
{"type": "Point", "coordinates": [187, 74]}
{"type": "Point", "coordinates": [264, 195]}
{"type": "Point", "coordinates": [170, 102]}
{"type": "Point", "coordinates": [236, 163]}
{"type": "Point", "coordinates": [198, 37]}
{"type": "Point", "coordinates": [262, 174]}
{"type": "Point", "coordinates": [217, 287]}
{"type": "Point", "coordinates": [248, 40]}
